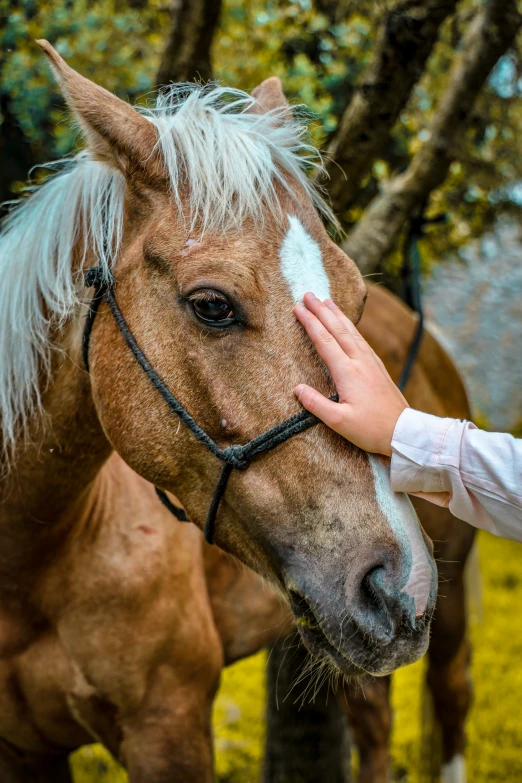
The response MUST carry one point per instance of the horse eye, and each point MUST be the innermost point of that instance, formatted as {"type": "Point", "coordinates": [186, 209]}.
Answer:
{"type": "Point", "coordinates": [212, 308]}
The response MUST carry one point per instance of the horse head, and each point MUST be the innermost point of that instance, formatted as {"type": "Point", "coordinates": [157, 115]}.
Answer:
{"type": "Point", "coordinates": [219, 235]}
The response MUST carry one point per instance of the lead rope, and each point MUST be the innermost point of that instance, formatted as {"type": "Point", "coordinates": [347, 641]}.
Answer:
{"type": "Point", "coordinates": [233, 456]}
{"type": "Point", "coordinates": [177, 511]}
{"type": "Point", "coordinates": [411, 274]}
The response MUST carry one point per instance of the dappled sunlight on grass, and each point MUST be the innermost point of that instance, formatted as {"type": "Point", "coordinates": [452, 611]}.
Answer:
{"type": "Point", "coordinates": [240, 705]}
{"type": "Point", "coordinates": [94, 764]}
{"type": "Point", "coordinates": [495, 731]}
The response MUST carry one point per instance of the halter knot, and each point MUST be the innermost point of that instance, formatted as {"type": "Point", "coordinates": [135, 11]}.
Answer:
{"type": "Point", "coordinates": [94, 277]}
{"type": "Point", "coordinates": [235, 456]}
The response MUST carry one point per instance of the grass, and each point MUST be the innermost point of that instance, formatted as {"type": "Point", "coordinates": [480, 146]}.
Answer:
{"type": "Point", "coordinates": [494, 752]}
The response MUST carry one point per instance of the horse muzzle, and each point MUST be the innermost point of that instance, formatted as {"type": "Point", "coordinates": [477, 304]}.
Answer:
{"type": "Point", "coordinates": [364, 624]}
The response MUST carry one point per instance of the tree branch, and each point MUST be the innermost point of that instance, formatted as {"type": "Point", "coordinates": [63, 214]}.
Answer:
{"type": "Point", "coordinates": [404, 43]}
{"type": "Point", "coordinates": [187, 53]}
{"type": "Point", "coordinates": [489, 35]}
{"type": "Point", "coordinates": [334, 10]}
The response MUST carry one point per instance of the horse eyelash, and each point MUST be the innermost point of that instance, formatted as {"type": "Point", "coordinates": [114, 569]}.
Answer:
{"type": "Point", "coordinates": [208, 296]}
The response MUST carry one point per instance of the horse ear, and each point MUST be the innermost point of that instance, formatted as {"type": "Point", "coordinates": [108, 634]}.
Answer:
{"type": "Point", "coordinates": [269, 95]}
{"type": "Point", "coordinates": [114, 131]}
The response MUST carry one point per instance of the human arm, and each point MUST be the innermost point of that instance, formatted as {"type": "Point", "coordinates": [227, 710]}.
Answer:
{"type": "Point", "coordinates": [450, 462]}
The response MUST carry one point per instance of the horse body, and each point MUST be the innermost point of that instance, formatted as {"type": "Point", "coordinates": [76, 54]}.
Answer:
{"type": "Point", "coordinates": [132, 646]}
{"type": "Point", "coordinates": [204, 215]}
{"type": "Point", "coordinates": [122, 592]}
{"type": "Point", "coordinates": [122, 604]}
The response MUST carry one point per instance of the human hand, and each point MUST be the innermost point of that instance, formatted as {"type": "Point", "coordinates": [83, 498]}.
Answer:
{"type": "Point", "coordinates": [369, 401]}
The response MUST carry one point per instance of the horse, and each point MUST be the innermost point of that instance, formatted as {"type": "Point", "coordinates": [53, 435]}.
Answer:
{"type": "Point", "coordinates": [247, 614]}
{"type": "Point", "coordinates": [204, 230]}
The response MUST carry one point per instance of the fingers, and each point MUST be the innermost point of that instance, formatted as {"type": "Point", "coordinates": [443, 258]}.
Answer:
{"type": "Point", "coordinates": [342, 317]}
{"type": "Point", "coordinates": [325, 344]}
{"type": "Point", "coordinates": [329, 412]}
{"type": "Point", "coordinates": [333, 319]}
{"type": "Point", "coordinates": [337, 328]}
{"type": "Point", "coordinates": [362, 344]}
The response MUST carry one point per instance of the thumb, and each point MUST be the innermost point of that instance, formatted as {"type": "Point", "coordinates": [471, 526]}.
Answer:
{"type": "Point", "coordinates": [318, 404]}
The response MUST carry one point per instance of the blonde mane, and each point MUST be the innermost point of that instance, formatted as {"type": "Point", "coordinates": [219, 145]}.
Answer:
{"type": "Point", "coordinates": [228, 160]}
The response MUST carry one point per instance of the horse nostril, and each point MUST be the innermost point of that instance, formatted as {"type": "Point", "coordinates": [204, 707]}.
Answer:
{"type": "Point", "coordinates": [376, 599]}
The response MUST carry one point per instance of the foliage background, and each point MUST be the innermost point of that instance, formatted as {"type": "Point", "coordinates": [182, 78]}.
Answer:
{"type": "Point", "coordinates": [320, 56]}
{"type": "Point", "coordinates": [120, 44]}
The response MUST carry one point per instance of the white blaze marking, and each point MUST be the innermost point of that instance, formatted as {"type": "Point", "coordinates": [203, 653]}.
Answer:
{"type": "Point", "coordinates": [302, 263]}
{"type": "Point", "coordinates": [454, 771]}
{"type": "Point", "coordinates": [401, 515]}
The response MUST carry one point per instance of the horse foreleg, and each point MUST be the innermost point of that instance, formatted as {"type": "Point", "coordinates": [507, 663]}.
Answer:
{"type": "Point", "coordinates": [20, 767]}
{"type": "Point", "coordinates": [449, 652]}
{"type": "Point", "coordinates": [169, 740]}
{"type": "Point", "coordinates": [450, 685]}
{"type": "Point", "coordinates": [368, 710]}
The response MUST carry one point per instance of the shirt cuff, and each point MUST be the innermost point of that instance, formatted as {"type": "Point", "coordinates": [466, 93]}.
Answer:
{"type": "Point", "coordinates": [423, 448]}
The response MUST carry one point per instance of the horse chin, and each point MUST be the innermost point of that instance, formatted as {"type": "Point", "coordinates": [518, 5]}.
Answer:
{"type": "Point", "coordinates": [317, 642]}
{"type": "Point", "coordinates": [323, 647]}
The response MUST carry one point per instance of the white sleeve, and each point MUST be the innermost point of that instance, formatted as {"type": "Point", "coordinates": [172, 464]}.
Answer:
{"type": "Point", "coordinates": [477, 474]}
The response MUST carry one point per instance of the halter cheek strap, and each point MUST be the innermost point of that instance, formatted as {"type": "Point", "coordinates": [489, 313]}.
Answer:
{"type": "Point", "coordinates": [231, 457]}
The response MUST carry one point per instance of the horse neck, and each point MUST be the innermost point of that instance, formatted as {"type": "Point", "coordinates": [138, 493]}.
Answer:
{"type": "Point", "coordinates": [52, 484]}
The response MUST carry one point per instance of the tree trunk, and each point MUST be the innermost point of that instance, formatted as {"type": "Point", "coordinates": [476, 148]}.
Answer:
{"type": "Point", "coordinates": [404, 42]}
{"type": "Point", "coordinates": [187, 53]}
{"type": "Point", "coordinates": [17, 155]}
{"type": "Point", "coordinates": [304, 744]}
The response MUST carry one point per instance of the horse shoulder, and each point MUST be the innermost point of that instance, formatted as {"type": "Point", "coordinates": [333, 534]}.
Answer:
{"type": "Point", "coordinates": [128, 596]}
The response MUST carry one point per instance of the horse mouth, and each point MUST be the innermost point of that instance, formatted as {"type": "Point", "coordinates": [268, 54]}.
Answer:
{"type": "Point", "coordinates": [315, 638]}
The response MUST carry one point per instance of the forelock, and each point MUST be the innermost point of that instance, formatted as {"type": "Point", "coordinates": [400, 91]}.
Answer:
{"type": "Point", "coordinates": [227, 159]}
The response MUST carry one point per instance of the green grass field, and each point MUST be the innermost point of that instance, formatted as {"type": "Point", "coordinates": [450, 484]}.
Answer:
{"type": "Point", "coordinates": [494, 751]}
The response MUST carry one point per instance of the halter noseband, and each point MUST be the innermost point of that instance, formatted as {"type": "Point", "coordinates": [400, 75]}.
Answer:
{"type": "Point", "coordinates": [231, 457]}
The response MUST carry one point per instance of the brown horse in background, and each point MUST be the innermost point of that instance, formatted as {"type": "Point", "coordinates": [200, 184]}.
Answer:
{"type": "Point", "coordinates": [200, 214]}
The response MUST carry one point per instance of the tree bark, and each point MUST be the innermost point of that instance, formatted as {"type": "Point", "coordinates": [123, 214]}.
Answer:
{"type": "Point", "coordinates": [187, 54]}
{"type": "Point", "coordinates": [489, 35]}
{"type": "Point", "coordinates": [334, 10]}
{"type": "Point", "coordinates": [304, 744]}
{"type": "Point", "coordinates": [15, 152]}
{"type": "Point", "coordinates": [404, 43]}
